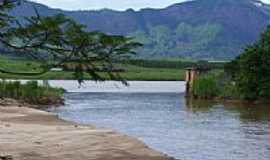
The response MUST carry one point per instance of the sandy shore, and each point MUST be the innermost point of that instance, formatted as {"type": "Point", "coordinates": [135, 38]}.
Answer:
{"type": "Point", "coordinates": [30, 134]}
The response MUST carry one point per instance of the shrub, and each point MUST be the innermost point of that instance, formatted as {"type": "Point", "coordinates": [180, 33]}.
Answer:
{"type": "Point", "coordinates": [30, 92]}
{"type": "Point", "coordinates": [205, 87]}
{"type": "Point", "coordinates": [230, 91]}
{"type": "Point", "coordinates": [251, 70]}
{"type": "Point", "coordinates": [215, 85]}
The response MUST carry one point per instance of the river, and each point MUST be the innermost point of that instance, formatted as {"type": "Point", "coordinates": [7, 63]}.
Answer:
{"type": "Point", "coordinates": [158, 114]}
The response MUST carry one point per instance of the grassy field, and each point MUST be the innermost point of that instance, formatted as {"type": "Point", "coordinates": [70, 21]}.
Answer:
{"type": "Point", "coordinates": [133, 72]}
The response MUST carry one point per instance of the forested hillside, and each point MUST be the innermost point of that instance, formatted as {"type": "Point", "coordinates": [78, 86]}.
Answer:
{"type": "Point", "coordinates": [201, 29]}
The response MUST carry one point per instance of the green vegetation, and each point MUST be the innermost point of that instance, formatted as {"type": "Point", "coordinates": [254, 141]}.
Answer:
{"type": "Point", "coordinates": [184, 40]}
{"type": "Point", "coordinates": [205, 87]}
{"type": "Point", "coordinates": [247, 77]}
{"type": "Point", "coordinates": [18, 65]}
{"type": "Point", "coordinates": [31, 92]}
{"type": "Point", "coordinates": [53, 41]}
{"type": "Point", "coordinates": [154, 74]}
{"type": "Point", "coordinates": [164, 69]}
{"type": "Point", "coordinates": [251, 70]}
{"type": "Point", "coordinates": [59, 40]}
{"type": "Point", "coordinates": [234, 29]}
{"type": "Point", "coordinates": [132, 72]}
{"type": "Point", "coordinates": [177, 63]}
{"type": "Point", "coordinates": [215, 85]}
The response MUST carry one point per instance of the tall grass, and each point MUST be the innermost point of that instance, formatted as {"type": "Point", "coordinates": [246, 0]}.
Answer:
{"type": "Point", "coordinates": [215, 85]}
{"type": "Point", "coordinates": [205, 87]}
{"type": "Point", "coordinates": [30, 92]}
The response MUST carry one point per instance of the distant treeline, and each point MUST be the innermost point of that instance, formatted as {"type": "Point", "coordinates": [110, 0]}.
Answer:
{"type": "Point", "coordinates": [177, 64]}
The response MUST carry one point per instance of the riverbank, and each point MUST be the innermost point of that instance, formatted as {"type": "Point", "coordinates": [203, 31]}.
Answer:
{"type": "Point", "coordinates": [32, 134]}
{"type": "Point", "coordinates": [30, 92]}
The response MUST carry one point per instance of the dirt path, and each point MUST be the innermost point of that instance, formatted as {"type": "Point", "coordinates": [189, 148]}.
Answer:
{"type": "Point", "coordinates": [30, 134]}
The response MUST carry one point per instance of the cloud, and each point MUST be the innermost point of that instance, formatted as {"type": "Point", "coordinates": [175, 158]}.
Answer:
{"type": "Point", "coordinates": [266, 1]}
{"type": "Point", "coordinates": [111, 4]}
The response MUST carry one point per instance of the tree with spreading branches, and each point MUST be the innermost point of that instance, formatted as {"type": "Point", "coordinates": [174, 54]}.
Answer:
{"type": "Point", "coordinates": [63, 41]}
{"type": "Point", "coordinates": [251, 70]}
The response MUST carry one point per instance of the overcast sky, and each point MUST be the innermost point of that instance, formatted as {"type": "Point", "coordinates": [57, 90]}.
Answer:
{"type": "Point", "coordinates": [112, 4]}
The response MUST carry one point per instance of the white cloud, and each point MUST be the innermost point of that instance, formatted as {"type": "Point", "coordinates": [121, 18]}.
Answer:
{"type": "Point", "coordinates": [112, 4]}
{"type": "Point", "coordinates": [266, 1]}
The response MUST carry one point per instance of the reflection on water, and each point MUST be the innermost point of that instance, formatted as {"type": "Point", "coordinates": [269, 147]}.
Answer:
{"type": "Point", "coordinates": [185, 129]}
{"type": "Point", "coordinates": [254, 122]}
{"type": "Point", "coordinates": [251, 112]}
{"type": "Point", "coordinates": [247, 111]}
{"type": "Point", "coordinates": [199, 105]}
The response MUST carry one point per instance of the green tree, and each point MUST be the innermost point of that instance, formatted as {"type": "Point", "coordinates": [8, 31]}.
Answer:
{"type": "Point", "coordinates": [63, 41]}
{"type": "Point", "coordinates": [251, 70]}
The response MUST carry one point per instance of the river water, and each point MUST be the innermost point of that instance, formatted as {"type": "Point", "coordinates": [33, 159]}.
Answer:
{"type": "Point", "coordinates": [158, 114]}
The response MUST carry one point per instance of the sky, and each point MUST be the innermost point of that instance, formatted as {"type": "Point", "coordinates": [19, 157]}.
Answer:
{"type": "Point", "coordinates": [111, 4]}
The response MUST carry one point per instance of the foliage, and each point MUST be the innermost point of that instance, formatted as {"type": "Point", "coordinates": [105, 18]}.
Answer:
{"type": "Point", "coordinates": [63, 40]}
{"type": "Point", "coordinates": [233, 34]}
{"type": "Point", "coordinates": [133, 71]}
{"type": "Point", "coordinates": [30, 92]}
{"type": "Point", "coordinates": [216, 84]}
{"type": "Point", "coordinates": [174, 63]}
{"type": "Point", "coordinates": [251, 71]}
{"type": "Point", "coordinates": [185, 39]}
{"type": "Point", "coordinates": [229, 91]}
{"type": "Point", "coordinates": [205, 87]}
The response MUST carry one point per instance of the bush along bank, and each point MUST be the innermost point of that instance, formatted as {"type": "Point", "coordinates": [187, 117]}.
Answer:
{"type": "Point", "coordinates": [31, 93]}
{"type": "Point", "coordinates": [248, 75]}
{"type": "Point", "coordinates": [221, 87]}
{"type": "Point", "coordinates": [205, 87]}
{"type": "Point", "coordinates": [215, 86]}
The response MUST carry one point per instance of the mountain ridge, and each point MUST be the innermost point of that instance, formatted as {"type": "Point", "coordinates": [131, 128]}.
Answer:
{"type": "Point", "coordinates": [223, 27]}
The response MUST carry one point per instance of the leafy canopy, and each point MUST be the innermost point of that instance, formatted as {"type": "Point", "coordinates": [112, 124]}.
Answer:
{"type": "Point", "coordinates": [251, 70]}
{"type": "Point", "coordinates": [62, 40]}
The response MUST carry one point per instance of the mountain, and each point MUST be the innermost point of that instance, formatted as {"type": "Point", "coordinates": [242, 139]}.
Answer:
{"type": "Point", "coordinates": [202, 29]}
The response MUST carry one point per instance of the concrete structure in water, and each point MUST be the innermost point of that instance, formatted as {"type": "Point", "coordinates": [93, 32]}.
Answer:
{"type": "Point", "coordinates": [191, 75]}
